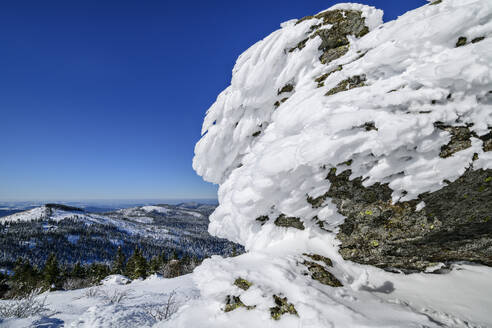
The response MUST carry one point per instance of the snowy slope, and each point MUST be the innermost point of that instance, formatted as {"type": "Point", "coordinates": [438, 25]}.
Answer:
{"type": "Point", "coordinates": [270, 150]}
{"type": "Point", "coordinates": [36, 213]}
{"type": "Point", "coordinates": [90, 307]}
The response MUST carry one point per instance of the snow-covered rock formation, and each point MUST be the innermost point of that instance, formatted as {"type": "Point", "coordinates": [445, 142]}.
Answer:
{"type": "Point", "coordinates": [340, 140]}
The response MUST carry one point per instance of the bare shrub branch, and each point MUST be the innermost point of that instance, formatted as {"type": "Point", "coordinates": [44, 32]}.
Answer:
{"type": "Point", "coordinates": [165, 311]}
{"type": "Point", "coordinates": [115, 296]}
{"type": "Point", "coordinates": [24, 307]}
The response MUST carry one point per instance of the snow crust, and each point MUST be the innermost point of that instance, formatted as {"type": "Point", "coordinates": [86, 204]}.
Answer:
{"type": "Point", "coordinates": [267, 160]}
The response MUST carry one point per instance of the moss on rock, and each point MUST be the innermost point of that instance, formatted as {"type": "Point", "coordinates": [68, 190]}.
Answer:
{"type": "Point", "coordinates": [460, 139]}
{"type": "Point", "coordinates": [242, 283]}
{"type": "Point", "coordinates": [321, 80]}
{"type": "Point", "coordinates": [286, 88]}
{"type": "Point", "coordinates": [487, 141]}
{"type": "Point", "coordinates": [369, 126]}
{"type": "Point", "coordinates": [279, 102]}
{"type": "Point", "coordinates": [319, 273]}
{"type": "Point", "coordinates": [282, 306]}
{"type": "Point", "coordinates": [461, 41]}
{"type": "Point", "coordinates": [480, 38]}
{"type": "Point", "coordinates": [317, 257]}
{"type": "Point", "coordinates": [334, 41]}
{"type": "Point", "coordinates": [234, 302]}
{"type": "Point", "coordinates": [289, 222]}
{"type": "Point", "coordinates": [262, 219]}
{"type": "Point", "coordinates": [452, 226]}
{"type": "Point", "coordinates": [347, 84]}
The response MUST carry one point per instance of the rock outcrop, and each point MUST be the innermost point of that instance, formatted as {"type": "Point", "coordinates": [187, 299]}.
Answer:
{"type": "Point", "coordinates": [455, 223]}
{"type": "Point", "coordinates": [345, 146]}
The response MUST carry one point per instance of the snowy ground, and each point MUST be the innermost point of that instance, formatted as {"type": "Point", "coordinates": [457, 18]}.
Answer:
{"type": "Point", "coordinates": [370, 297]}
{"type": "Point", "coordinates": [460, 298]}
{"type": "Point", "coordinates": [80, 308]}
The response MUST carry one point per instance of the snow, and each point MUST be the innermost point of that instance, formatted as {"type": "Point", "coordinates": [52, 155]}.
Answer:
{"type": "Point", "coordinates": [141, 219]}
{"type": "Point", "coordinates": [77, 308]}
{"type": "Point", "coordinates": [134, 225]}
{"type": "Point", "coordinates": [158, 209]}
{"type": "Point", "coordinates": [415, 76]}
{"type": "Point", "coordinates": [195, 214]}
{"type": "Point", "coordinates": [371, 298]}
{"type": "Point", "coordinates": [29, 215]}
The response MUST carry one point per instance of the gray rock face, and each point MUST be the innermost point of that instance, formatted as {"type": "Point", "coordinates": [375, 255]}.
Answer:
{"type": "Point", "coordinates": [454, 225]}
{"type": "Point", "coordinates": [289, 222]}
{"type": "Point", "coordinates": [334, 41]}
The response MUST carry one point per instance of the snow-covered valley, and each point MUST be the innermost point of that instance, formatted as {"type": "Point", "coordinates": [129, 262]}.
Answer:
{"type": "Point", "coordinates": [78, 235]}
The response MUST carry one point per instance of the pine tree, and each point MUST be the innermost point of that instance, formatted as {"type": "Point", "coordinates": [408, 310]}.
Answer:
{"type": "Point", "coordinates": [163, 258]}
{"type": "Point", "coordinates": [119, 262]}
{"type": "Point", "coordinates": [141, 266]}
{"type": "Point", "coordinates": [155, 264]}
{"type": "Point", "coordinates": [51, 273]}
{"type": "Point", "coordinates": [130, 266]}
{"type": "Point", "coordinates": [137, 266]}
{"type": "Point", "coordinates": [98, 271]}
{"type": "Point", "coordinates": [25, 277]}
{"type": "Point", "coordinates": [78, 271]}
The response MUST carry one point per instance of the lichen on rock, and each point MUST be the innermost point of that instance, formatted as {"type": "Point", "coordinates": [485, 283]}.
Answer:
{"type": "Point", "coordinates": [289, 222]}
{"type": "Point", "coordinates": [487, 141]}
{"type": "Point", "coordinates": [319, 273]}
{"type": "Point", "coordinates": [262, 219]}
{"type": "Point", "coordinates": [461, 41]}
{"type": "Point", "coordinates": [334, 40]}
{"type": "Point", "coordinates": [286, 88]}
{"type": "Point", "coordinates": [352, 82]}
{"type": "Point", "coordinates": [234, 302]}
{"type": "Point", "coordinates": [282, 306]}
{"type": "Point", "coordinates": [321, 258]}
{"type": "Point", "coordinates": [321, 80]}
{"type": "Point", "coordinates": [242, 283]}
{"type": "Point", "coordinates": [478, 39]}
{"type": "Point", "coordinates": [454, 225]}
{"type": "Point", "coordinates": [460, 139]}
{"type": "Point", "coordinates": [279, 102]}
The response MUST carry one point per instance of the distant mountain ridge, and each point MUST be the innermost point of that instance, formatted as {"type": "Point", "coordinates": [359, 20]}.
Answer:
{"type": "Point", "coordinates": [79, 235]}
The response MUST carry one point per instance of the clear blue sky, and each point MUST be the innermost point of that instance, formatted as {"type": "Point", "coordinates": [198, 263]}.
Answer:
{"type": "Point", "coordinates": [105, 99]}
